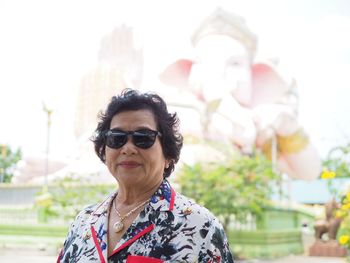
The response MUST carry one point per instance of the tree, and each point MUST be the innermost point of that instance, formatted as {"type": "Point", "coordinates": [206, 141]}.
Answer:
{"type": "Point", "coordinates": [240, 187]}
{"type": "Point", "coordinates": [338, 160]}
{"type": "Point", "coordinates": [69, 195]}
{"type": "Point", "coordinates": [8, 162]}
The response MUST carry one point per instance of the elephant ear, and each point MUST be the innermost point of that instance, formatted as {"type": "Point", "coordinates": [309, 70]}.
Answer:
{"type": "Point", "coordinates": [268, 84]}
{"type": "Point", "coordinates": [177, 73]}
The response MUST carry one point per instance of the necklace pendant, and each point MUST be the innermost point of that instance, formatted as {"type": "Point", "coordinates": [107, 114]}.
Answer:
{"type": "Point", "coordinates": [118, 226]}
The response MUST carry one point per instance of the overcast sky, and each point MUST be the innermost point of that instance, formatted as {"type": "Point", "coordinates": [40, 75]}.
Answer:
{"type": "Point", "coordinates": [47, 46]}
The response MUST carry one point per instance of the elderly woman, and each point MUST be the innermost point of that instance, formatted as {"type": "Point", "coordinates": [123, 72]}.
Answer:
{"type": "Point", "coordinates": [145, 220]}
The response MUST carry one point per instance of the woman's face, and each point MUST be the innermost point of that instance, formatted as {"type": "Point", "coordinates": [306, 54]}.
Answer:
{"type": "Point", "coordinates": [129, 164]}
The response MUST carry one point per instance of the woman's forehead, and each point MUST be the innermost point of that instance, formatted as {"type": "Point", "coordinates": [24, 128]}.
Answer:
{"type": "Point", "coordinates": [134, 119]}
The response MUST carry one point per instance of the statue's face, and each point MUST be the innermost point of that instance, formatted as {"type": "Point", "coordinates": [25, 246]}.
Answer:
{"type": "Point", "coordinates": [222, 66]}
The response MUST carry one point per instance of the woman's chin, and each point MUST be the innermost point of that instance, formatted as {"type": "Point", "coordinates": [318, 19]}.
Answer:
{"type": "Point", "coordinates": [129, 178]}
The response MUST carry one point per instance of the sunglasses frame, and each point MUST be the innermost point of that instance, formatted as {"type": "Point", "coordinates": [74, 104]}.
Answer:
{"type": "Point", "coordinates": [146, 133]}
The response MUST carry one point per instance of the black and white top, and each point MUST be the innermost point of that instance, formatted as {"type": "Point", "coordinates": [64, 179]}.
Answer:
{"type": "Point", "coordinates": [171, 228]}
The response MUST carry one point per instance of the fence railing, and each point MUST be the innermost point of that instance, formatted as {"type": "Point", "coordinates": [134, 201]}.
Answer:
{"type": "Point", "coordinates": [19, 216]}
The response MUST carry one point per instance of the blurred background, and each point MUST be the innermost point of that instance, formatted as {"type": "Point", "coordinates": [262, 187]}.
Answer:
{"type": "Point", "coordinates": [61, 61]}
{"type": "Point", "coordinates": [47, 47]}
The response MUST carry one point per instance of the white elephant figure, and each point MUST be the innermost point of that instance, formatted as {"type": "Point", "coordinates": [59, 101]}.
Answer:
{"type": "Point", "coordinates": [251, 103]}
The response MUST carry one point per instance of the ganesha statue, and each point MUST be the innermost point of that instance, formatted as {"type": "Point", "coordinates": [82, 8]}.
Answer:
{"type": "Point", "coordinates": [249, 102]}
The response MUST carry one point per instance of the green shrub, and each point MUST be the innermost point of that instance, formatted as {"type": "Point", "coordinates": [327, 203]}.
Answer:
{"type": "Point", "coordinates": [239, 187]}
{"type": "Point", "coordinates": [69, 196]}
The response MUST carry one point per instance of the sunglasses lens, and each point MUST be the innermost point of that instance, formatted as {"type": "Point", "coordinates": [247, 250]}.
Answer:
{"type": "Point", "coordinates": [116, 140]}
{"type": "Point", "coordinates": [144, 139]}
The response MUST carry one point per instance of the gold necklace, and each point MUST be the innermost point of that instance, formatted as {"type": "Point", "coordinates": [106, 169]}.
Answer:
{"type": "Point", "coordinates": [119, 225]}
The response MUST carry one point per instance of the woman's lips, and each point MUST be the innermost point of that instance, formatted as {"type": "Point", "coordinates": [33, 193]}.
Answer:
{"type": "Point", "coordinates": [129, 164]}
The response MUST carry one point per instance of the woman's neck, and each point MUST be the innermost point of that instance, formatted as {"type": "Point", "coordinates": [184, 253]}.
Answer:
{"type": "Point", "coordinates": [131, 195]}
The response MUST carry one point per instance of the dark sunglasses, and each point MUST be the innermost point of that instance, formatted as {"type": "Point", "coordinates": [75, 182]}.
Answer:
{"type": "Point", "coordinates": [143, 139]}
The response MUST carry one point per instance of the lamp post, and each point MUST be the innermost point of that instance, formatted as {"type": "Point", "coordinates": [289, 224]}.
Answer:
{"type": "Point", "coordinates": [274, 160]}
{"type": "Point", "coordinates": [46, 171]}
{"type": "Point", "coordinates": [274, 157]}
{"type": "Point", "coordinates": [3, 156]}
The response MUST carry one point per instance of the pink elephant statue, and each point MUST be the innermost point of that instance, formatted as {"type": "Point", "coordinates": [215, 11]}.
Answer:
{"type": "Point", "coordinates": [251, 103]}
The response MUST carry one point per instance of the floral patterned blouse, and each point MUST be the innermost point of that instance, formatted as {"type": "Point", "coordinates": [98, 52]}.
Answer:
{"type": "Point", "coordinates": [171, 228]}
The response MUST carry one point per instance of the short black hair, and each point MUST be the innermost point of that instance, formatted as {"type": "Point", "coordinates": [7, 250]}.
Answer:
{"type": "Point", "coordinates": [167, 123]}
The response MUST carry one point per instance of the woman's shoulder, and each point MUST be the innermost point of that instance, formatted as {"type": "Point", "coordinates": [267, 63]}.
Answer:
{"type": "Point", "coordinates": [85, 212]}
{"type": "Point", "coordinates": [185, 206]}
{"type": "Point", "coordinates": [99, 208]}
{"type": "Point", "coordinates": [88, 209]}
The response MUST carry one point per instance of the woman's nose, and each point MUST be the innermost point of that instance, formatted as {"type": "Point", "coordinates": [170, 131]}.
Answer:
{"type": "Point", "coordinates": [129, 147]}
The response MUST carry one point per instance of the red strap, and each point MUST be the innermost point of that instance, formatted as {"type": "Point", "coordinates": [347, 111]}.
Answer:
{"type": "Point", "coordinates": [127, 243]}
{"type": "Point", "coordinates": [141, 259]}
{"type": "Point", "coordinates": [98, 246]}
{"type": "Point", "coordinates": [59, 256]}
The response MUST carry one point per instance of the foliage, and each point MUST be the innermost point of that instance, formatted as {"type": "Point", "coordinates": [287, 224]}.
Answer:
{"type": "Point", "coordinates": [338, 160]}
{"type": "Point", "coordinates": [344, 213]}
{"type": "Point", "coordinates": [71, 195]}
{"type": "Point", "coordinates": [239, 187]}
{"type": "Point", "coordinates": [329, 176]}
{"type": "Point", "coordinates": [44, 202]}
{"type": "Point", "coordinates": [337, 165]}
{"type": "Point", "coordinates": [8, 161]}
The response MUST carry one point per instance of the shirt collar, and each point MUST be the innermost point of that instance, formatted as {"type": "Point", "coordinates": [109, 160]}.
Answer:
{"type": "Point", "coordinates": [162, 200]}
{"type": "Point", "coordinates": [104, 206]}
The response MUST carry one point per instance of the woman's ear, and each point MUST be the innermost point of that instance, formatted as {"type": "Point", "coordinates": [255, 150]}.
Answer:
{"type": "Point", "coordinates": [167, 162]}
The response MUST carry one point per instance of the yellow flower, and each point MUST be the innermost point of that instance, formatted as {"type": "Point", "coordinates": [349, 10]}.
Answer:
{"type": "Point", "coordinates": [344, 239]}
{"type": "Point", "coordinates": [347, 198]}
{"type": "Point", "coordinates": [339, 214]}
{"type": "Point", "coordinates": [345, 207]}
{"type": "Point", "coordinates": [326, 174]}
